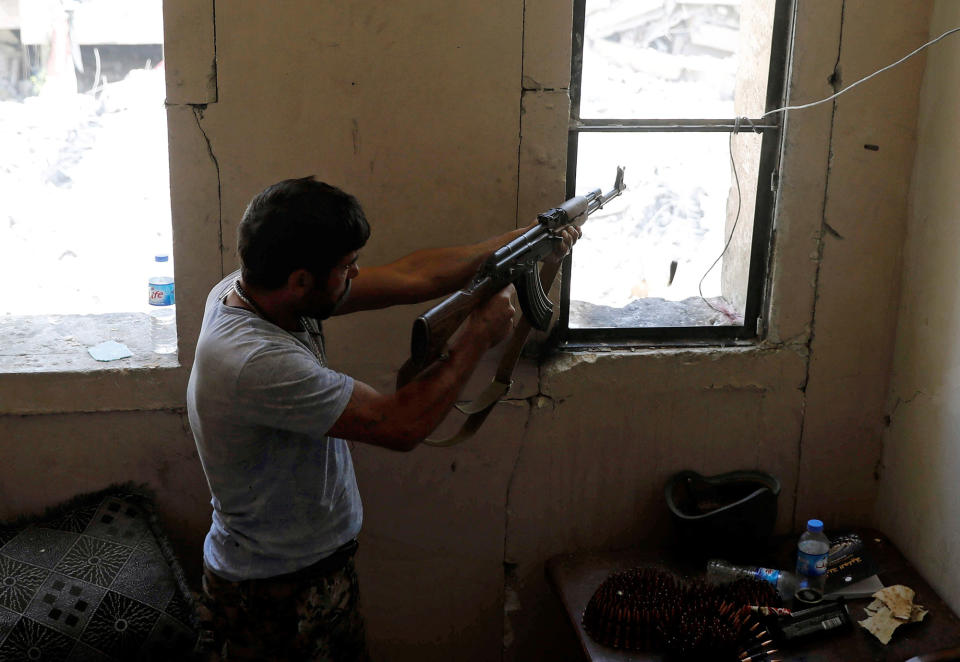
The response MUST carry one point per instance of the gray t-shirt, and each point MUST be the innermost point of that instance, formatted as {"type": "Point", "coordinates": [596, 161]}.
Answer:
{"type": "Point", "coordinates": [260, 403]}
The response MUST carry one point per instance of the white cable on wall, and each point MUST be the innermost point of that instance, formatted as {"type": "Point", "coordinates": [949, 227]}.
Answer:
{"type": "Point", "coordinates": [798, 107]}
{"type": "Point", "coordinates": [862, 80]}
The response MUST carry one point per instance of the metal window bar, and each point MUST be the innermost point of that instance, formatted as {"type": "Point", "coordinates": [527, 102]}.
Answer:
{"type": "Point", "coordinates": [771, 129]}
{"type": "Point", "coordinates": [674, 125]}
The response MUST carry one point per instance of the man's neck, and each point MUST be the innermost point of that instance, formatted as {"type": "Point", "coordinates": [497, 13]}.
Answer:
{"type": "Point", "coordinates": [269, 305]}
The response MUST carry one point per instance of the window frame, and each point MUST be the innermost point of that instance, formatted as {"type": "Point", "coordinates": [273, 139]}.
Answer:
{"type": "Point", "coordinates": [771, 129]}
{"type": "Point", "coordinates": [189, 47]}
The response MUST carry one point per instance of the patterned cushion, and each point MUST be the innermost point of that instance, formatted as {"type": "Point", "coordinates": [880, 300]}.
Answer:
{"type": "Point", "coordinates": [93, 580]}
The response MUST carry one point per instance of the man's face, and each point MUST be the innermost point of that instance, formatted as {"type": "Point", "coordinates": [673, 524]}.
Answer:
{"type": "Point", "coordinates": [330, 294]}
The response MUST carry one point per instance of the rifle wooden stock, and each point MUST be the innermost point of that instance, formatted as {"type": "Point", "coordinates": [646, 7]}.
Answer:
{"type": "Point", "coordinates": [433, 329]}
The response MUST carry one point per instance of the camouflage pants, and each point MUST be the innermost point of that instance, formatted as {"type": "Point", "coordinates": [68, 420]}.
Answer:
{"type": "Point", "coordinates": [311, 615]}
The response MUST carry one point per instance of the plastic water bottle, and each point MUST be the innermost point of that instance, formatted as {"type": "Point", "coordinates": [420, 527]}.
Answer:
{"type": "Point", "coordinates": [723, 572]}
{"type": "Point", "coordinates": [813, 550]}
{"type": "Point", "coordinates": [163, 308]}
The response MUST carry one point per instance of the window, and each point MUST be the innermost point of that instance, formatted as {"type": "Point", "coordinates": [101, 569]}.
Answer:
{"type": "Point", "coordinates": [84, 178]}
{"type": "Point", "coordinates": [657, 86]}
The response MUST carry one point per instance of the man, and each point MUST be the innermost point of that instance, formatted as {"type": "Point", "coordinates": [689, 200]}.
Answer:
{"type": "Point", "coordinates": [270, 418]}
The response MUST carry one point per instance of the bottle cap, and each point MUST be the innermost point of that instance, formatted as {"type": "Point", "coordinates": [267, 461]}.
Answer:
{"type": "Point", "coordinates": [162, 257]}
{"type": "Point", "coordinates": [814, 525]}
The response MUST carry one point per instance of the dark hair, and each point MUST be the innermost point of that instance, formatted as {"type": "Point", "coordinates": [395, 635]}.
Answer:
{"type": "Point", "coordinates": [298, 224]}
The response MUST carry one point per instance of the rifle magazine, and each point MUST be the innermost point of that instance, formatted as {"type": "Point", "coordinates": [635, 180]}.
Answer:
{"type": "Point", "coordinates": [534, 302]}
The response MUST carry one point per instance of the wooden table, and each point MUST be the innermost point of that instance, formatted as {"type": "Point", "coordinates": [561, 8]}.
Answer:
{"type": "Point", "coordinates": [575, 577]}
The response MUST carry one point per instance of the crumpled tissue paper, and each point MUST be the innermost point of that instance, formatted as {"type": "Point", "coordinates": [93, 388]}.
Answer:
{"type": "Point", "coordinates": [892, 607]}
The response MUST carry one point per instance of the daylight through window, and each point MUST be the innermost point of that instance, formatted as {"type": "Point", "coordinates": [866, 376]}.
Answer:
{"type": "Point", "coordinates": [84, 162]}
{"type": "Point", "coordinates": [657, 86]}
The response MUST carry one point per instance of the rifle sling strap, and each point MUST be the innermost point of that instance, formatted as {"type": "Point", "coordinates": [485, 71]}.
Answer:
{"type": "Point", "coordinates": [478, 410]}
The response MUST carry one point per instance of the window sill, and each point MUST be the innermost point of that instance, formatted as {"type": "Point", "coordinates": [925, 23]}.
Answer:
{"type": "Point", "coordinates": [60, 343]}
{"type": "Point", "coordinates": [655, 313]}
{"type": "Point", "coordinates": [45, 365]}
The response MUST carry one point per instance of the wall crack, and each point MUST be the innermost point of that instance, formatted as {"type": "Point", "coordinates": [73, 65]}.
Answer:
{"type": "Point", "coordinates": [511, 599]}
{"type": "Point", "coordinates": [531, 85]}
{"type": "Point", "coordinates": [888, 419]}
{"type": "Point", "coordinates": [834, 80]}
{"type": "Point", "coordinates": [213, 65]}
{"type": "Point", "coordinates": [198, 110]}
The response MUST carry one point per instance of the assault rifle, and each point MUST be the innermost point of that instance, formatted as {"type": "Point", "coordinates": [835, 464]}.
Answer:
{"type": "Point", "coordinates": [516, 262]}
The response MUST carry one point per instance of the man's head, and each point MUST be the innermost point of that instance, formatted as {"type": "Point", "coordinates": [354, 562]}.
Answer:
{"type": "Point", "coordinates": [298, 224]}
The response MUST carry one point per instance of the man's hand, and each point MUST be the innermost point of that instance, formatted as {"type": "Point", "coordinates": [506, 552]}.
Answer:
{"type": "Point", "coordinates": [495, 317]}
{"type": "Point", "coordinates": [566, 238]}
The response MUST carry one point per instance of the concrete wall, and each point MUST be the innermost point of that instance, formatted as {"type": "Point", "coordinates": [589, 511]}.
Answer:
{"type": "Point", "coordinates": [919, 501]}
{"type": "Point", "coordinates": [445, 120]}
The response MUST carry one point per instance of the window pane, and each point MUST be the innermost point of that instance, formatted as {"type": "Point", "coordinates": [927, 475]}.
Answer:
{"type": "Point", "coordinates": [83, 163]}
{"type": "Point", "coordinates": [662, 58]}
{"type": "Point", "coordinates": [679, 207]}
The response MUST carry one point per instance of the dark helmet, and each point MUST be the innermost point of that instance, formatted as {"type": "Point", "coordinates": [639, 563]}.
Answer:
{"type": "Point", "coordinates": [730, 515]}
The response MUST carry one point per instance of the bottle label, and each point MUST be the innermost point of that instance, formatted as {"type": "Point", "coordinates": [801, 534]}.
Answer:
{"type": "Point", "coordinates": [768, 575]}
{"type": "Point", "coordinates": [162, 295]}
{"type": "Point", "coordinates": [811, 565]}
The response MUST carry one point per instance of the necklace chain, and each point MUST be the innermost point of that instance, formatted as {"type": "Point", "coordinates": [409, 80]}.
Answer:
{"type": "Point", "coordinates": [316, 345]}
{"type": "Point", "coordinates": [243, 297]}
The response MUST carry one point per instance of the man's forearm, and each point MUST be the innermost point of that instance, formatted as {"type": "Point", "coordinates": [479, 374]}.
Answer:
{"type": "Point", "coordinates": [401, 420]}
{"type": "Point", "coordinates": [422, 275]}
{"type": "Point", "coordinates": [443, 270]}
{"type": "Point", "coordinates": [437, 389]}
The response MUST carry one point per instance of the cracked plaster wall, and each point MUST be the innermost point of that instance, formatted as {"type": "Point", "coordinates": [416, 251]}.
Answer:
{"type": "Point", "coordinates": [919, 500]}
{"type": "Point", "coordinates": [857, 278]}
{"type": "Point", "coordinates": [455, 136]}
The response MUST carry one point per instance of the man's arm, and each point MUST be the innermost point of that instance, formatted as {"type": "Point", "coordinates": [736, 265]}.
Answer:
{"type": "Point", "coordinates": [420, 276]}
{"type": "Point", "coordinates": [401, 420]}
{"type": "Point", "coordinates": [432, 272]}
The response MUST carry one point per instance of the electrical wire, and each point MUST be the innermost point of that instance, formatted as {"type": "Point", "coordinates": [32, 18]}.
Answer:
{"type": "Point", "coordinates": [865, 78]}
{"type": "Point", "coordinates": [733, 229]}
{"type": "Point", "coordinates": [798, 107]}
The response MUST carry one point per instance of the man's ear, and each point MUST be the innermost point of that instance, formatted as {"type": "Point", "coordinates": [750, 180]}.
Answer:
{"type": "Point", "coordinates": [300, 281]}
